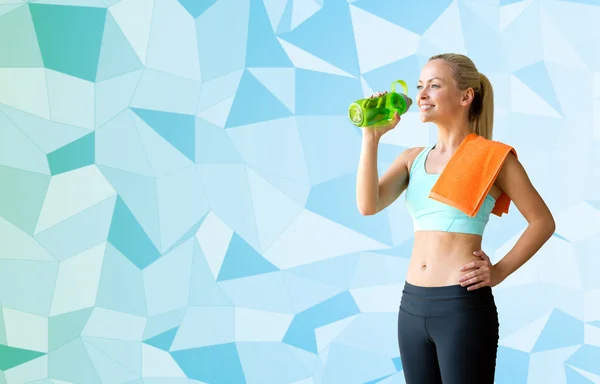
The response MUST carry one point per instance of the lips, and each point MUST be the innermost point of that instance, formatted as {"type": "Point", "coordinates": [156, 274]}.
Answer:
{"type": "Point", "coordinates": [425, 107]}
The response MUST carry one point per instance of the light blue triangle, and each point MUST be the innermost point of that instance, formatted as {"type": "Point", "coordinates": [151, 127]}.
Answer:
{"type": "Point", "coordinates": [329, 35]}
{"type": "Point", "coordinates": [117, 57]}
{"type": "Point", "coordinates": [301, 333]}
{"type": "Point", "coordinates": [331, 199]}
{"type": "Point", "coordinates": [586, 358]}
{"type": "Point", "coordinates": [415, 18]}
{"type": "Point", "coordinates": [213, 368]}
{"type": "Point", "coordinates": [561, 330]}
{"type": "Point", "coordinates": [515, 366]}
{"type": "Point", "coordinates": [204, 290]}
{"type": "Point", "coordinates": [140, 195]}
{"type": "Point", "coordinates": [128, 236]}
{"type": "Point", "coordinates": [196, 8]}
{"type": "Point", "coordinates": [263, 49]}
{"type": "Point", "coordinates": [242, 260]}
{"type": "Point", "coordinates": [178, 129]}
{"type": "Point", "coordinates": [164, 340]}
{"type": "Point", "coordinates": [254, 103]}
{"type": "Point", "coordinates": [574, 377]}
{"type": "Point", "coordinates": [536, 77]}
{"type": "Point", "coordinates": [77, 154]}
{"type": "Point", "coordinates": [507, 2]}
{"type": "Point", "coordinates": [213, 145]}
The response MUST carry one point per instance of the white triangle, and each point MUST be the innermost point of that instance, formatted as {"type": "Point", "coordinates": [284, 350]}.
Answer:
{"type": "Point", "coordinates": [446, 31]}
{"type": "Point", "coordinates": [280, 82]}
{"type": "Point", "coordinates": [157, 363]}
{"type": "Point", "coordinates": [524, 100]}
{"type": "Point", "coordinates": [327, 333]}
{"type": "Point", "coordinates": [270, 222]}
{"type": "Point", "coordinates": [72, 192]}
{"type": "Point", "coordinates": [367, 90]}
{"type": "Point", "coordinates": [4, 9]}
{"type": "Point", "coordinates": [555, 45]}
{"type": "Point", "coordinates": [588, 375]}
{"type": "Point", "coordinates": [275, 9]}
{"type": "Point", "coordinates": [18, 245]}
{"type": "Point", "coordinates": [304, 60]}
{"type": "Point", "coordinates": [302, 10]}
{"type": "Point", "coordinates": [525, 338]}
{"type": "Point", "coordinates": [373, 50]}
{"type": "Point", "coordinates": [312, 238]}
{"type": "Point", "coordinates": [214, 237]}
{"type": "Point", "coordinates": [218, 89]}
{"type": "Point", "coordinates": [508, 13]}
{"type": "Point", "coordinates": [134, 17]}
{"type": "Point", "coordinates": [219, 113]}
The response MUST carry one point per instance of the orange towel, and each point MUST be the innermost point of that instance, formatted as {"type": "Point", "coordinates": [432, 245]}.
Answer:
{"type": "Point", "coordinates": [470, 174]}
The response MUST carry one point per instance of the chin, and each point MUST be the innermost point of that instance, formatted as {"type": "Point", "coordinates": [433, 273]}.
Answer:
{"type": "Point", "coordinates": [425, 118]}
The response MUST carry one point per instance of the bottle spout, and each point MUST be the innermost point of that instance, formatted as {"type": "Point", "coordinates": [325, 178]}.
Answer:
{"type": "Point", "coordinates": [409, 102]}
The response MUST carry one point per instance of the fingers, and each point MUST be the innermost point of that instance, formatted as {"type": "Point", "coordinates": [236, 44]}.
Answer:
{"type": "Point", "coordinates": [471, 275]}
{"type": "Point", "coordinates": [473, 264]}
{"type": "Point", "coordinates": [481, 254]}
{"type": "Point", "coordinates": [377, 94]}
{"type": "Point", "coordinates": [477, 286]}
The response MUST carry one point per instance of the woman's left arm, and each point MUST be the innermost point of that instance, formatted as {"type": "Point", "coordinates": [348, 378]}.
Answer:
{"type": "Point", "coordinates": [514, 181]}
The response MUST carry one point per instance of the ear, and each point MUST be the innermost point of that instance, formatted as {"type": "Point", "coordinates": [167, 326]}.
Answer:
{"type": "Point", "coordinates": [467, 97]}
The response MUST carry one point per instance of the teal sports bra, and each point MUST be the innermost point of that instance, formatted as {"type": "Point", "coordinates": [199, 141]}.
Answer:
{"type": "Point", "coordinates": [431, 215]}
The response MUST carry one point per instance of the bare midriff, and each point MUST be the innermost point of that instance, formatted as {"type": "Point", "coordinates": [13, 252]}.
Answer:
{"type": "Point", "coordinates": [438, 256]}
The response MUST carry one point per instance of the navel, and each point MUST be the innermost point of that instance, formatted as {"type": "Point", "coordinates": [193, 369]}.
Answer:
{"type": "Point", "coordinates": [424, 266]}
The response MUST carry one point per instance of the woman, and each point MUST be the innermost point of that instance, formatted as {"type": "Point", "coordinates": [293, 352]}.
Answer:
{"type": "Point", "coordinates": [448, 324]}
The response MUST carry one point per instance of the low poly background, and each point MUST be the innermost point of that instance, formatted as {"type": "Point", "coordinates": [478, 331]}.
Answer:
{"type": "Point", "coordinates": [177, 186]}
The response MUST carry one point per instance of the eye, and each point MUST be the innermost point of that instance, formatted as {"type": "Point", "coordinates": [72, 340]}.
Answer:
{"type": "Point", "coordinates": [434, 86]}
{"type": "Point", "coordinates": [419, 86]}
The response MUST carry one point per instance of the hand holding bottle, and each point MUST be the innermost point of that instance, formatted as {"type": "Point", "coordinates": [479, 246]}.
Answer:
{"type": "Point", "coordinates": [378, 129]}
{"type": "Point", "coordinates": [380, 112]}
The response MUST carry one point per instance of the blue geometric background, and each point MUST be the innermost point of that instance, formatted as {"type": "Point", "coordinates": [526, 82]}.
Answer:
{"type": "Point", "coordinates": [177, 200]}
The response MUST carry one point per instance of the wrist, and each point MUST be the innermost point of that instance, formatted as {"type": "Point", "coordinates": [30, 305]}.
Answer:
{"type": "Point", "coordinates": [500, 271]}
{"type": "Point", "coordinates": [370, 136]}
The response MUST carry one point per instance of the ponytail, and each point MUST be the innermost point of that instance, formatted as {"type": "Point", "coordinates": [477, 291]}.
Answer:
{"type": "Point", "coordinates": [482, 110]}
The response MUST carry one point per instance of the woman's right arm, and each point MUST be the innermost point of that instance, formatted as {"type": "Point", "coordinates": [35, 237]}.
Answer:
{"type": "Point", "coordinates": [374, 194]}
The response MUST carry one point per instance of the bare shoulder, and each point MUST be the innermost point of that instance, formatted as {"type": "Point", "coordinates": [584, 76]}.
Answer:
{"type": "Point", "coordinates": [515, 182]}
{"type": "Point", "coordinates": [411, 154]}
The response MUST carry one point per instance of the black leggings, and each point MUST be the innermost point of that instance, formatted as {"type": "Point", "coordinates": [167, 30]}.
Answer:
{"type": "Point", "coordinates": [448, 335]}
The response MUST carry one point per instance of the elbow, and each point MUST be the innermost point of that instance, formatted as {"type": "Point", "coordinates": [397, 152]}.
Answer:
{"type": "Point", "coordinates": [366, 210]}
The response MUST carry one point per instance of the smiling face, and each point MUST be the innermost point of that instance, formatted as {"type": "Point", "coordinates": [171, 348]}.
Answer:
{"type": "Point", "coordinates": [439, 98]}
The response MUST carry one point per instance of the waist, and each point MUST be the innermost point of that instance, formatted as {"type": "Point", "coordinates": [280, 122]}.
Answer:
{"type": "Point", "coordinates": [437, 257]}
{"type": "Point", "coordinates": [444, 300]}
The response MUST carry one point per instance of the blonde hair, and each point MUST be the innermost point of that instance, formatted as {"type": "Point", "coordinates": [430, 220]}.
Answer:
{"type": "Point", "coordinates": [466, 75]}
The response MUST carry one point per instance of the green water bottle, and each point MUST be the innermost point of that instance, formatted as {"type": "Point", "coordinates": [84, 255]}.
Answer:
{"type": "Point", "coordinates": [365, 112]}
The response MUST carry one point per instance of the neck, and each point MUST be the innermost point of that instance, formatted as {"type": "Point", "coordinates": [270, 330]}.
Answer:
{"type": "Point", "coordinates": [451, 135]}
